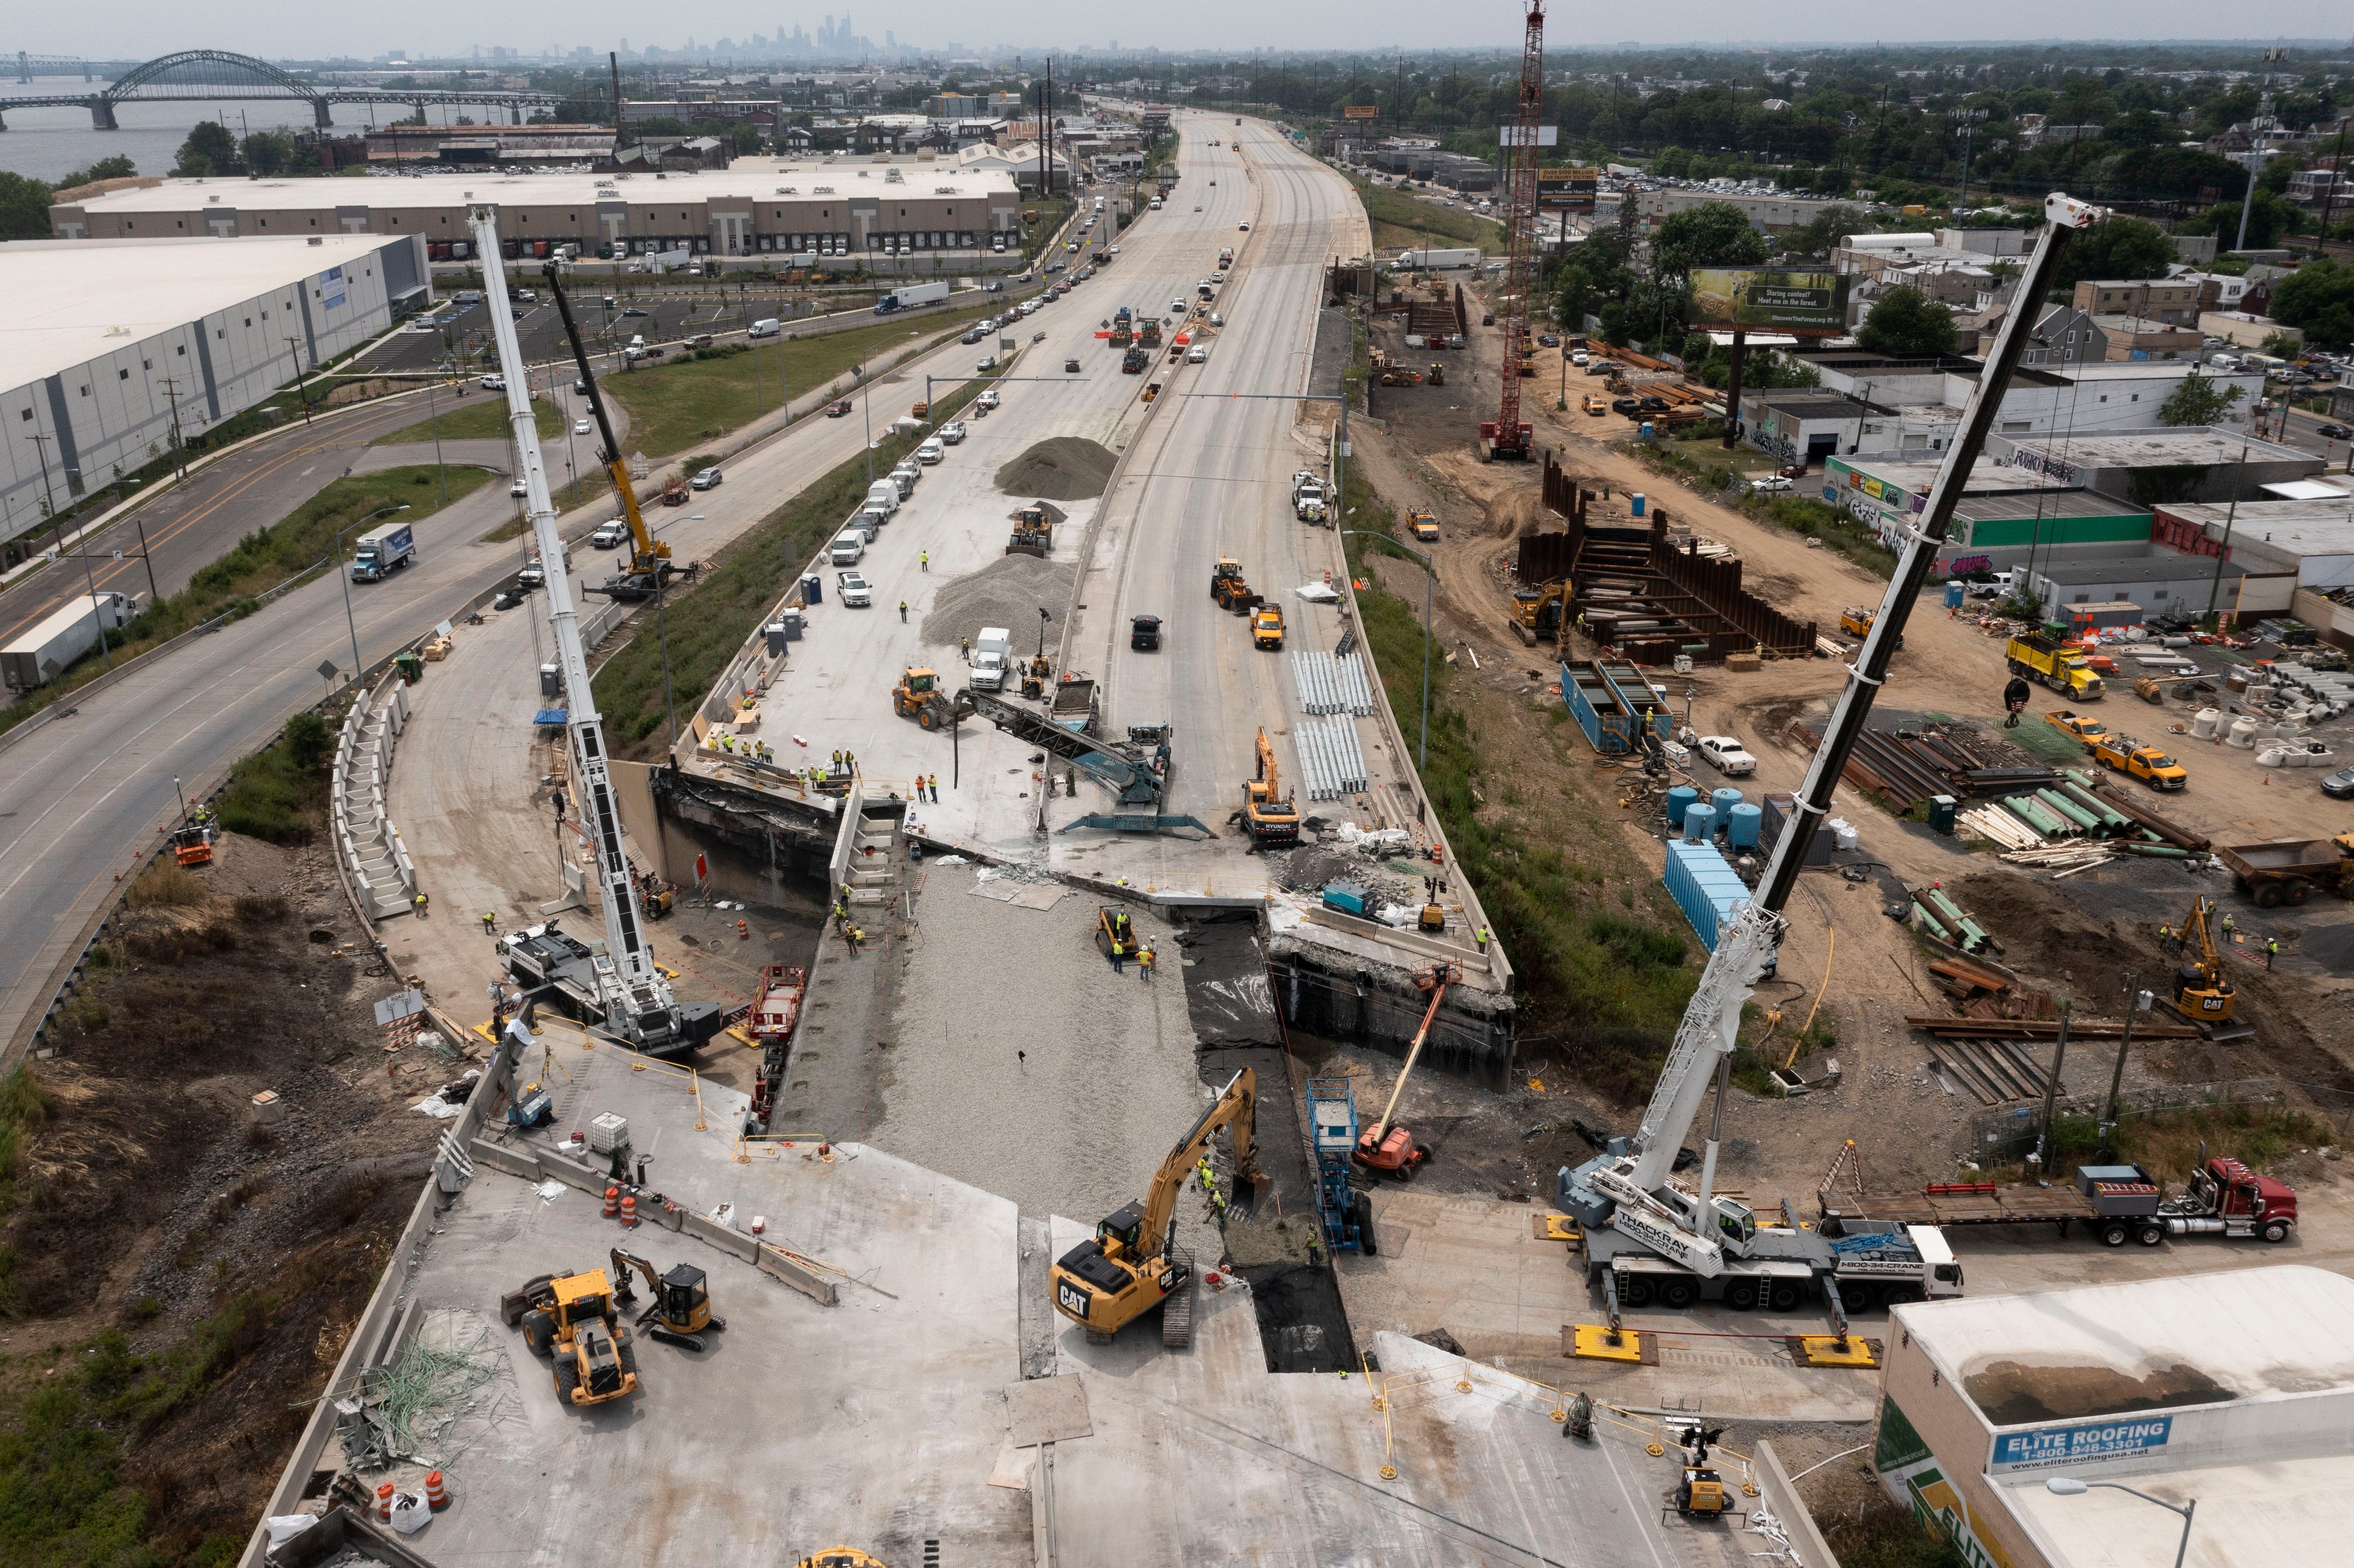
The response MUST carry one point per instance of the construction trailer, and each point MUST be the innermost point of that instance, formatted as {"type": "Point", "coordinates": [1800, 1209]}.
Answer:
{"type": "Point", "coordinates": [1648, 1236]}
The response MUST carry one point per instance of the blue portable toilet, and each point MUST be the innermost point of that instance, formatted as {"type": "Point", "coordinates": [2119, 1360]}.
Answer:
{"type": "Point", "coordinates": [1679, 800]}
{"type": "Point", "coordinates": [1700, 823]}
{"type": "Point", "coordinates": [1723, 801]}
{"type": "Point", "coordinates": [1741, 827]}
{"type": "Point", "coordinates": [1635, 498]}
{"type": "Point", "coordinates": [1954, 591]}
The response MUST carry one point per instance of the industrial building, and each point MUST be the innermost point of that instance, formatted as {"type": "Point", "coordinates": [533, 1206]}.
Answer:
{"type": "Point", "coordinates": [2158, 581]}
{"type": "Point", "coordinates": [2161, 463]}
{"type": "Point", "coordinates": [118, 344]}
{"type": "Point", "coordinates": [813, 208]}
{"type": "Point", "coordinates": [2006, 517]}
{"type": "Point", "coordinates": [2232, 1389]}
{"type": "Point", "coordinates": [2310, 543]}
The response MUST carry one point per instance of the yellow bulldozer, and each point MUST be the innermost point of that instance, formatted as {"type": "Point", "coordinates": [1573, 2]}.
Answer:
{"type": "Point", "coordinates": [571, 1319]}
{"type": "Point", "coordinates": [918, 696]}
{"type": "Point", "coordinates": [1130, 1264]}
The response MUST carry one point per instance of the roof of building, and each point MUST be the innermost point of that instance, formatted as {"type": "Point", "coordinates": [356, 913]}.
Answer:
{"type": "Point", "coordinates": [1808, 404]}
{"type": "Point", "coordinates": [2140, 326]}
{"type": "Point", "coordinates": [2290, 527]}
{"type": "Point", "coordinates": [2250, 1516]}
{"type": "Point", "coordinates": [2161, 566]}
{"type": "Point", "coordinates": [1988, 478]}
{"type": "Point", "coordinates": [2164, 447]}
{"type": "Point", "coordinates": [758, 178]}
{"type": "Point", "coordinates": [73, 300]}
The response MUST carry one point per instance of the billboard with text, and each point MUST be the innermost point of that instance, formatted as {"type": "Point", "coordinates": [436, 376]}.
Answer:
{"type": "Point", "coordinates": [1361, 112]}
{"type": "Point", "coordinates": [1568, 189]}
{"type": "Point", "coordinates": [1805, 303]}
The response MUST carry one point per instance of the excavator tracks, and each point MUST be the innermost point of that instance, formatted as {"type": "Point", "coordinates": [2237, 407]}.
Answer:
{"type": "Point", "coordinates": [1177, 1307]}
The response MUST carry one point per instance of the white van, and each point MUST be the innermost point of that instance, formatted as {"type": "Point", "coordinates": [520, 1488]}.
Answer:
{"type": "Point", "coordinates": [769, 327]}
{"type": "Point", "coordinates": [884, 492]}
{"type": "Point", "coordinates": [849, 547]}
{"type": "Point", "coordinates": [931, 452]}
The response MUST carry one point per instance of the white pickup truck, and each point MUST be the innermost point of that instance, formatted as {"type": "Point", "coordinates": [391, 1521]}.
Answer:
{"type": "Point", "coordinates": [1725, 754]}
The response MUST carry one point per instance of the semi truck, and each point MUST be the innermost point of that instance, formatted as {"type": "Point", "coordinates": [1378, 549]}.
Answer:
{"type": "Point", "coordinates": [69, 632]}
{"type": "Point", "coordinates": [380, 552]}
{"type": "Point", "coordinates": [2117, 1204]}
{"type": "Point", "coordinates": [1433, 260]}
{"type": "Point", "coordinates": [908, 296]}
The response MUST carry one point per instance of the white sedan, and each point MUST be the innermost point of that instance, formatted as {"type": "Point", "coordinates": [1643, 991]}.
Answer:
{"type": "Point", "coordinates": [584, 426]}
{"type": "Point", "coordinates": [1725, 754]}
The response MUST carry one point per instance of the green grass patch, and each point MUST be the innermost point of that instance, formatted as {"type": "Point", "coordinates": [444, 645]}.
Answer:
{"type": "Point", "coordinates": [1886, 1536]}
{"type": "Point", "coordinates": [478, 415]}
{"type": "Point", "coordinates": [687, 402]}
{"type": "Point", "coordinates": [708, 620]}
{"type": "Point", "coordinates": [1608, 984]}
{"type": "Point", "coordinates": [1403, 222]}
{"type": "Point", "coordinates": [2166, 1143]}
{"type": "Point", "coordinates": [262, 560]}
{"type": "Point", "coordinates": [279, 794]}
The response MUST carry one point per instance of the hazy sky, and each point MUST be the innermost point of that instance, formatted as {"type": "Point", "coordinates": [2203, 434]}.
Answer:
{"type": "Point", "coordinates": [302, 28]}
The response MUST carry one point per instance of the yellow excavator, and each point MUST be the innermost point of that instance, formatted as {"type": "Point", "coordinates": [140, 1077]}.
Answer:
{"type": "Point", "coordinates": [1267, 812]}
{"type": "Point", "coordinates": [680, 1313]}
{"type": "Point", "coordinates": [1537, 610]}
{"type": "Point", "coordinates": [1130, 1266]}
{"type": "Point", "coordinates": [650, 561]}
{"type": "Point", "coordinates": [572, 1319]}
{"type": "Point", "coordinates": [2202, 993]}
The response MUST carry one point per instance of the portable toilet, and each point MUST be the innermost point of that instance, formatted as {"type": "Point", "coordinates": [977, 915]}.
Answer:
{"type": "Point", "coordinates": [1741, 827]}
{"type": "Point", "coordinates": [1724, 800]}
{"type": "Point", "coordinates": [1635, 498]}
{"type": "Point", "coordinates": [1942, 810]}
{"type": "Point", "coordinates": [1679, 800]}
{"type": "Point", "coordinates": [1700, 823]}
{"type": "Point", "coordinates": [1954, 592]}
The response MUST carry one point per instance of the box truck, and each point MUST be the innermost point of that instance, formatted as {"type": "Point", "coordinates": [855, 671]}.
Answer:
{"type": "Point", "coordinates": [69, 632]}
{"type": "Point", "coordinates": [380, 552]}
{"type": "Point", "coordinates": [991, 656]}
{"type": "Point", "coordinates": [910, 296]}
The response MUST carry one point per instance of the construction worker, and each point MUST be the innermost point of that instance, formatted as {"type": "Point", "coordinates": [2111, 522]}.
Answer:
{"type": "Point", "coordinates": [902, 611]}
{"type": "Point", "coordinates": [2272, 952]}
{"type": "Point", "coordinates": [837, 759]}
{"type": "Point", "coordinates": [727, 744]}
{"type": "Point", "coordinates": [2227, 928]}
{"type": "Point", "coordinates": [417, 904]}
{"type": "Point", "coordinates": [925, 559]}
{"type": "Point", "coordinates": [1483, 939]}
{"type": "Point", "coordinates": [853, 936]}
{"type": "Point", "coordinates": [2165, 935]}
{"type": "Point", "coordinates": [964, 646]}
{"type": "Point", "coordinates": [489, 924]}
{"type": "Point", "coordinates": [936, 789]}
{"type": "Point", "coordinates": [1144, 961]}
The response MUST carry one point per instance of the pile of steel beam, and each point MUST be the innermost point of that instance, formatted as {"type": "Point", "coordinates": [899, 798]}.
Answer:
{"type": "Point", "coordinates": [1328, 756]}
{"type": "Point", "coordinates": [1909, 768]}
{"type": "Point", "coordinates": [1329, 683]}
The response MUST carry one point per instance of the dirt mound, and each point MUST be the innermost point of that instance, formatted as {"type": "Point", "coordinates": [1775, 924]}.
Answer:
{"type": "Point", "coordinates": [1008, 592]}
{"type": "Point", "coordinates": [1066, 468]}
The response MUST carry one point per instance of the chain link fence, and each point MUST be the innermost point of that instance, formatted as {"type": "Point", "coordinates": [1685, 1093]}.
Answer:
{"type": "Point", "coordinates": [2008, 1136]}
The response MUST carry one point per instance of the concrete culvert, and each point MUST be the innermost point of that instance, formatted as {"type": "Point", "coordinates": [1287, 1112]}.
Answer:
{"type": "Point", "coordinates": [1065, 468]}
{"type": "Point", "coordinates": [1008, 592]}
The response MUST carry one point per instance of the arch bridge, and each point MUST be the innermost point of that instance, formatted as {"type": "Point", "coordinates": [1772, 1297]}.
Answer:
{"type": "Point", "coordinates": [208, 76]}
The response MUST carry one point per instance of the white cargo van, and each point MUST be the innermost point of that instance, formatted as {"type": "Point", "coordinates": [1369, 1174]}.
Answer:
{"type": "Point", "coordinates": [849, 547]}
{"type": "Point", "coordinates": [768, 327]}
{"type": "Point", "coordinates": [884, 492]}
{"type": "Point", "coordinates": [992, 655]}
{"type": "Point", "coordinates": [931, 452]}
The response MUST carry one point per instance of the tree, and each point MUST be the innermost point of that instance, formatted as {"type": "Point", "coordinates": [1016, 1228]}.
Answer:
{"type": "Point", "coordinates": [2319, 298]}
{"type": "Point", "coordinates": [2116, 247]}
{"type": "Point", "coordinates": [308, 741]}
{"type": "Point", "coordinates": [1827, 229]}
{"type": "Point", "coordinates": [209, 150]}
{"type": "Point", "coordinates": [1904, 321]}
{"type": "Point", "coordinates": [1713, 234]}
{"type": "Point", "coordinates": [2268, 219]}
{"type": "Point", "coordinates": [2200, 400]}
{"type": "Point", "coordinates": [24, 207]}
{"type": "Point", "coordinates": [115, 168]}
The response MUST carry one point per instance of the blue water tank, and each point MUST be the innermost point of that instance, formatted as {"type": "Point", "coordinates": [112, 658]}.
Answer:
{"type": "Point", "coordinates": [1741, 827]}
{"type": "Point", "coordinates": [1954, 591]}
{"type": "Point", "coordinates": [1680, 798]}
{"type": "Point", "coordinates": [1724, 800]}
{"type": "Point", "coordinates": [1700, 823]}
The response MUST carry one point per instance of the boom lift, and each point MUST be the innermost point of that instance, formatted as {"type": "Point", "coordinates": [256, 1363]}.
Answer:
{"type": "Point", "coordinates": [1131, 1265]}
{"type": "Point", "coordinates": [649, 558]}
{"type": "Point", "coordinates": [1385, 1148]}
{"type": "Point", "coordinates": [1642, 1230]}
{"type": "Point", "coordinates": [619, 988]}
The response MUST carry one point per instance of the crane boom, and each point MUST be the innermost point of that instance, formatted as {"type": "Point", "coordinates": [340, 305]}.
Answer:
{"type": "Point", "coordinates": [646, 554]}
{"type": "Point", "coordinates": [630, 994]}
{"type": "Point", "coordinates": [1627, 1186]}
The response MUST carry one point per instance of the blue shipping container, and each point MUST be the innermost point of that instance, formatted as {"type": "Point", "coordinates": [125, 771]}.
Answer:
{"type": "Point", "coordinates": [1704, 887]}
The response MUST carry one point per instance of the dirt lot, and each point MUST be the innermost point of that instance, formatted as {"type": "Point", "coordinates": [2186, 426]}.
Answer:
{"type": "Point", "coordinates": [234, 1255]}
{"type": "Point", "coordinates": [1846, 967]}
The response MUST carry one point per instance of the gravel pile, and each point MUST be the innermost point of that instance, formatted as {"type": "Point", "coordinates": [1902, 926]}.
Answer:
{"type": "Point", "coordinates": [1309, 868]}
{"type": "Point", "coordinates": [1066, 468]}
{"type": "Point", "coordinates": [1008, 592]}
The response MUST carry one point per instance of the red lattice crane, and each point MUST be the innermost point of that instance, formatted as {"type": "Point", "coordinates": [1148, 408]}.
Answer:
{"type": "Point", "coordinates": [1508, 435]}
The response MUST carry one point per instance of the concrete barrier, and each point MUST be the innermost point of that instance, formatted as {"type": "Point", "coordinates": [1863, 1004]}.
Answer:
{"type": "Point", "coordinates": [1792, 1526]}
{"type": "Point", "coordinates": [365, 836]}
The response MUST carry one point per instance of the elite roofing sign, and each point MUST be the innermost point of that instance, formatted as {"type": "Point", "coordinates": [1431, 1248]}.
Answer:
{"type": "Point", "coordinates": [1807, 303]}
{"type": "Point", "coordinates": [2054, 1448]}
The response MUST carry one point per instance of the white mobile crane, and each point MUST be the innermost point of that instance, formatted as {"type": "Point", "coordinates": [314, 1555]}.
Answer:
{"type": "Point", "coordinates": [619, 991]}
{"type": "Point", "coordinates": [1647, 1237]}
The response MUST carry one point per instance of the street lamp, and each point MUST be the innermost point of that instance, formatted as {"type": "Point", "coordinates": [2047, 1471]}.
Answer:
{"type": "Point", "coordinates": [1430, 575]}
{"type": "Point", "coordinates": [2070, 1487]}
{"type": "Point", "coordinates": [350, 623]}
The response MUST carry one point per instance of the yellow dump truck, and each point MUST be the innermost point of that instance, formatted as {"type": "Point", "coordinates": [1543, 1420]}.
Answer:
{"type": "Point", "coordinates": [2036, 657]}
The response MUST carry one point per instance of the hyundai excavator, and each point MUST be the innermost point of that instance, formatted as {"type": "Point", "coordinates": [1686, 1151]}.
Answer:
{"type": "Point", "coordinates": [1646, 1235]}
{"type": "Point", "coordinates": [650, 560]}
{"type": "Point", "coordinates": [1130, 1266]}
{"type": "Point", "coordinates": [1267, 811]}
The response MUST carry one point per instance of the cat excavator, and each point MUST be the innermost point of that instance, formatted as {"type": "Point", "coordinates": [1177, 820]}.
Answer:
{"type": "Point", "coordinates": [1267, 812]}
{"type": "Point", "coordinates": [681, 1311]}
{"type": "Point", "coordinates": [2202, 991]}
{"type": "Point", "coordinates": [1130, 1264]}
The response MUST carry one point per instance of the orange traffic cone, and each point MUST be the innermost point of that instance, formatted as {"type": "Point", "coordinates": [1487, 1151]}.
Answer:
{"type": "Point", "coordinates": [612, 1201]}
{"type": "Point", "coordinates": [436, 1497]}
{"type": "Point", "coordinates": [384, 1504]}
{"type": "Point", "coordinates": [744, 930]}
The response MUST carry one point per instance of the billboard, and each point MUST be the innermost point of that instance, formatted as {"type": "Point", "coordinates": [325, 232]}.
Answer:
{"type": "Point", "coordinates": [2052, 1447]}
{"type": "Point", "coordinates": [1805, 303]}
{"type": "Point", "coordinates": [1568, 189]}
{"type": "Point", "coordinates": [1517, 136]}
{"type": "Point", "coordinates": [1361, 112]}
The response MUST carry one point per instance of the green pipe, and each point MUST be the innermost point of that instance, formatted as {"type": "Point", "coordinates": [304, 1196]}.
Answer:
{"type": "Point", "coordinates": [2159, 851]}
{"type": "Point", "coordinates": [2084, 819]}
{"type": "Point", "coordinates": [2032, 811]}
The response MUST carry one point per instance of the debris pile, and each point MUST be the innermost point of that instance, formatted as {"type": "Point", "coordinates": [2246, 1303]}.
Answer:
{"type": "Point", "coordinates": [1008, 592]}
{"type": "Point", "coordinates": [426, 1408]}
{"type": "Point", "coordinates": [1064, 467]}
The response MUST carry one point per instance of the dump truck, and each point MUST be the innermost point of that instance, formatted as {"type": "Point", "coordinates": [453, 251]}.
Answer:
{"type": "Point", "coordinates": [2036, 657]}
{"type": "Point", "coordinates": [2286, 871]}
{"type": "Point", "coordinates": [2148, 763]}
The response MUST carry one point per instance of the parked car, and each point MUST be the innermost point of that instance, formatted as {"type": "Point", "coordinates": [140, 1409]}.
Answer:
{"type": "Point", "coordinates": [1725, 754]}
{"type": "Point", "coordinates": [1196, 355]}
{"type": "Point", "coordinates": [1653, 405]}
{"type": "Point", "coordinates": [584, 426]}
{"type": "Point", "coordinates": [988, 363]}
{"type": "Point", "coordinates": [1216, 320]}
{"type": "Point", "coordinates": [1548, 340]}
{"type": "Point", "coordinates": [518, 490]}
{"type": "Point", "coordinates": [852, 589]}
{"type": "Point", "coordinates": [494, 383]}
{"type": "Point", "coordinates": [953, 432]}
{"type": "Point", "coordinates": [972, 336]}
{"type": "Point", "coordinates": [836, 411]}
{"type": "Point", "coordinates": [1071, 365]}
{"type": "Point", "coordinates": [1625, 406]}
{"type": "Point", "coordinates": [633, 311]}
{"type": "Point", "coordinates": [988, 399]}
{"type": "Point", "coordinates": [1600, 368]}
{"type": "Point", "coordinates": [1771, 481]}
{"type": "Point", "coordinates": [1793, 470]}
{"type": "Point", "coordinates": [708, 479]}
{"type": "Point", "coordinates": [2339, 785]}
{"type": "Point", "coordinates": [2336, 433]}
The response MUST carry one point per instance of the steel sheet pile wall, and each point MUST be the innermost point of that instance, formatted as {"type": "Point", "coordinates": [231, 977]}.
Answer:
{"type": "Point", "coordinates": [1703, 887]}
{"type": "Point", "coordinates": [1327, 684]}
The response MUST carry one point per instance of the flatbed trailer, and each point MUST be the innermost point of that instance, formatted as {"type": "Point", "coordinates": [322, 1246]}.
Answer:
{"type": "Point", "coordinates": [1964, 1203]}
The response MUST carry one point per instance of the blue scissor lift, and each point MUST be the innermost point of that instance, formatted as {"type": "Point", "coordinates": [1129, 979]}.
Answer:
{"type": "Point", "coordinates": [1347, 1213]}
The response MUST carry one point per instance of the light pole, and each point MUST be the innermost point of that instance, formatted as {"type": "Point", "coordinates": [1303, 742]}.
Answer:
{"type": "Point", "coordinates": [434, 414]}
{"type": "Point", "coordinates": [350, 623]}
{"type": "Point", "coordinates": [2070, 1487]}
{"type": "Point", "coordinates": [867, 409]}
{"type": "Point", "coordinates": [1430, 575]}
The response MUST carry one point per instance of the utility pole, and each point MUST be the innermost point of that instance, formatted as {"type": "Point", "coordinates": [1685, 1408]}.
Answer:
{"type": "Point", "coordinates": [170, 387]}
{"type": "Point", "coordinates": [2117, 1075]}
{"type": "Point", "coordinates": [301, 391]}
{"type": "Point", "coordinates": [2223, 554]}
{"type": "Point", "coordinates": [2051, 1096]}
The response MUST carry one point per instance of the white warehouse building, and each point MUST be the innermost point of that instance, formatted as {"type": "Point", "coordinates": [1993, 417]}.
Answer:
{"type": "Point", "coordinates": [114, 342]}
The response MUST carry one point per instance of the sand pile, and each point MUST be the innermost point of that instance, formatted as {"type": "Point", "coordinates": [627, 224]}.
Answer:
{"type": "Point", "coordinates": [1067, 468]}
{"type": "Point", "coordinates": [1008, 592]}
